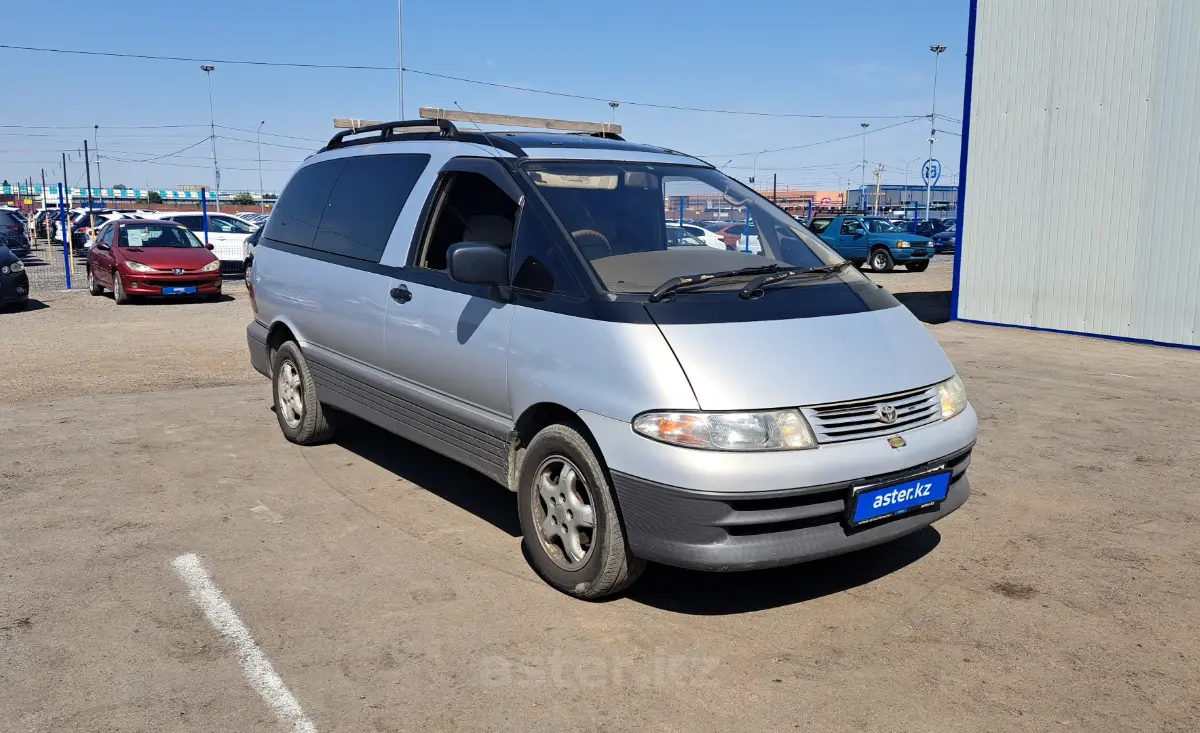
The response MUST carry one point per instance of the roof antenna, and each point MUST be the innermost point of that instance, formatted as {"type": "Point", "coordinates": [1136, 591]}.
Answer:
{"type": "Point", "coordinates": [481, 132]}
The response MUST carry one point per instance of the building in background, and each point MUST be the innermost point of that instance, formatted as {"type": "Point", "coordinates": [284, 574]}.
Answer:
{"type": "Point", "coordinates": [1080, 168]}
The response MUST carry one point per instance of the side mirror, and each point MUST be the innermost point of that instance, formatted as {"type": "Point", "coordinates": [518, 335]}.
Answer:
{"type": "Point", "coordinates": [479, 263]}
{"type": "Point", "coordinates": [102, 247]}
{"type": "Point", "coordinates": [210, 246]}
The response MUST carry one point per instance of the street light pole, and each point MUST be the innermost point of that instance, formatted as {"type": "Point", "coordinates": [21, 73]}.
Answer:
{"type": "Point", "coordinates": [212, 134]}
{"type": "Point", "coordinates": [96, 151]}
{"type": "Point", "coordinates": [400, 51]}
{"type": "Point", "coordinates": [614, 106]}
{"type": "Point", "coordinates": [937, 54]}
{"type": "Point", "coordinates": [262, 196]}
{"type": "Point", "coordinates": [863, 183]}
{"type": "Point", "coordinates": [754, 169]}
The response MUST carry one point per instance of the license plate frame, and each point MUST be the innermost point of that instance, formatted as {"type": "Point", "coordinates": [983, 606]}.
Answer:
{"type": "Point", "coordinates": [935, 482]}
{"type": "Point", "coordinates": [185, 290]}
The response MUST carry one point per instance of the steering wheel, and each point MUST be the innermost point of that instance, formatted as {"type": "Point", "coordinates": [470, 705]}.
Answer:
{"type": "Point", "coordinates": [592, 234]}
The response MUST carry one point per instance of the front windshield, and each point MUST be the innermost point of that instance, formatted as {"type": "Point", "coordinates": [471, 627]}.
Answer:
{"type": "Point", "coordinates": [881, 226]}
{"type": "Point", "coordinates": [617, 214]}
{"type": "Point", "coordinates": [157, 235]}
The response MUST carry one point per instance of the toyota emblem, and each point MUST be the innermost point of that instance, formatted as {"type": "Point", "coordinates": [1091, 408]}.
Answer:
{"type": "Point", "coordinates": [886, 414]}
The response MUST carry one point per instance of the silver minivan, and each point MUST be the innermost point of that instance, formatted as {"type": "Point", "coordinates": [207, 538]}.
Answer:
{"type": "Point", "coordinates": [514, 300]}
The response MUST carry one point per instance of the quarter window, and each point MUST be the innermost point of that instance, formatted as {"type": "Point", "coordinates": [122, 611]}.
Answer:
{"type": "Point", "coordinates": [298, 212]}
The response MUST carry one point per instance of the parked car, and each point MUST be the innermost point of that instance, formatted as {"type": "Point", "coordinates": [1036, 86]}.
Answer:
{"type": "Point", "coordinates": [946, 240]}
{"type": "Point", "coordinates": [705, 236]}
{"type": "Point", "coordinates": [14, 282]}
{"type": "Point", "coordinates": [139, 257]}
{"type": "Point", "coordinates": [930, 227]}
{"type": "Point", "coordinates": [226, 233]}
{"type": "Point", "coordinates": [254, 219]}
{"type": "Point", "coordinates": [863, 239]}
{"type": "Point", "coordinates": [526, 316]}
{"type": "Point", "coordinates": [735, 236]}
{"type": "Point", "coordinates": [12, 233]}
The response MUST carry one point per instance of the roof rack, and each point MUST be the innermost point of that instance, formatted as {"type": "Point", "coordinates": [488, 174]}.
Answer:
{"type": "Point", "coordinates": [387, 130]}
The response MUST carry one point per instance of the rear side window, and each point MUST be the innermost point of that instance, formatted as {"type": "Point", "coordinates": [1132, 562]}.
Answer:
{"type": "Point", "coordinates": [298, 212]}
{"type": "Point", "coordinates": [365, 203]}
{"type": "Point", "coordinates": [194, 223]}
{"type": "Point", "coordinates": [819, 225]}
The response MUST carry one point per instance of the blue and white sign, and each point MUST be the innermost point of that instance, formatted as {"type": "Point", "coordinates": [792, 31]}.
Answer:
{"type": "Point", "coordinates": [931, 171]}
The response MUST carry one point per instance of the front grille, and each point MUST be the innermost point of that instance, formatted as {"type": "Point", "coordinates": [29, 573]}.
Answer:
{"type": "Point", "coordinates": [841, 421]}
{"type": "Point", "coordinates": [180, 283]}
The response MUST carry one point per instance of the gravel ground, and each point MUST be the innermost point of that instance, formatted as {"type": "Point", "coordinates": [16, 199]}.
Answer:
{"type": "Point", "coordinates": [386, 585]}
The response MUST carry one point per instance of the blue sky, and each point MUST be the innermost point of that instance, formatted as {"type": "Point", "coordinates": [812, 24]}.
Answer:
{"type": "Point", "coordinates": [867, 60]}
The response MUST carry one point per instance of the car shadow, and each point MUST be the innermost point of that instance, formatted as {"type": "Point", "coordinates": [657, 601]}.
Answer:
{"type": "Point", "coordinates": [33, 304]}
{"type": "Point", "coordinates": [715, 594]}
{"type": "Point", "coordinates": [465, 488]}
{"type": "Point", "coordinates": [930, 307]}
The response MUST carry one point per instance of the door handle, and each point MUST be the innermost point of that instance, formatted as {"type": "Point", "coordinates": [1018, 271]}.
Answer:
{"type": "Point", "coordinates": [401, 294]}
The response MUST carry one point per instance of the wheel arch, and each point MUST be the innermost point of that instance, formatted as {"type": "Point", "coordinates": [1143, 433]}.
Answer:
{"type": "Point", "coordinates": [533, 420]}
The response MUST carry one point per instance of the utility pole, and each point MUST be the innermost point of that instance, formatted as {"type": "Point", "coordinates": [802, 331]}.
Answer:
{"type": "Point", "coordinates": [96, 150]}
{"type": "Point", "coordinates": [87, 167]}
{"type": "Point", "coordinates": [878, 179]}
{"type": "Point", "coordinates": [863, 183]}
{"type": "Point", "coordinates": [66, 181]}
{"type": "Point", "coordinates": [46, 205]}
{"type": "Point", "coordinates": [262, 196]}
{"type": "Point", "coordinates": [400, 52]}
{"type": "Point", "coordinates": [937, 54]}
{"type": "Point", "coordinates": [774, 188]}
{"type": "Point", "coordinates": [212, 134]}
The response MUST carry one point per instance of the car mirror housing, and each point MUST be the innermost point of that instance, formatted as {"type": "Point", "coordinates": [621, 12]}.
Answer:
{"type": "Point", "coordinates": [210, 246]}
{"type": "Point", "coordinates": [478, 263]}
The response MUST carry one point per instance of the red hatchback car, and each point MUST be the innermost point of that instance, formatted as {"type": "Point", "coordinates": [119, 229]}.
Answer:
{"type": "Point", "coordinates": [134, 257]}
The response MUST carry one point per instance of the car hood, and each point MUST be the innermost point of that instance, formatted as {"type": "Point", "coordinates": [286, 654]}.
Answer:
{"type": "Point", "coordinates": [165, 258]}
{"type": "Point", "coordinates": [806, 361]}
{"type": "Point", "coordinates": [898, 237]}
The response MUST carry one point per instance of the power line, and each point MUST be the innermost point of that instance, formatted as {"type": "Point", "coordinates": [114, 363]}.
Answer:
{"type": "Point", "coordinates": [809, 145]}
{"type": "Point", "coordinates": [273, 134]}
{"type": "Point", "coordinates": [255, 142]}
{"type": "Point", "coordinates": [360, 67]}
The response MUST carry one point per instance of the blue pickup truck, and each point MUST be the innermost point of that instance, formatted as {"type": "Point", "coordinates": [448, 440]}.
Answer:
{"type": "Point", "coordinates": [872, 239]}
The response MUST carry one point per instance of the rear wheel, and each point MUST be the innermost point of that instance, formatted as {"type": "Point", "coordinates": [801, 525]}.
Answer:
{"type": "Point", "coordinates": [302, 418]}
{"type": "Point", "coordinates": [881, 260]}
{"type": "Point", "coordinates": [917, 265]}
{"type": "Point", "coordinates": [569, 518]}
{"type": "Point", "coordinates": [119, 293]}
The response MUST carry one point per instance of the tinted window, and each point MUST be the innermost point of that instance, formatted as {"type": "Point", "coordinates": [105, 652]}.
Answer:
{"type": "Point", "coordinates": [539, 264]}
{"type": "Point", "coordinates": [300, 206]}
{"type": "Point", "coordinates": [365, 203]}
{"type": "Point", "coordinates": [819, 225]}
{"type": "Point", "coordinates": [191, 222]}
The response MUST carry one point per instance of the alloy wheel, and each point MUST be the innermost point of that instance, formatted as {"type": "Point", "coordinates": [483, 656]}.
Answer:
{"type": "Point", "coordinates": [290, 393]}
{"type": "Point", "coordinates": [563, 513]}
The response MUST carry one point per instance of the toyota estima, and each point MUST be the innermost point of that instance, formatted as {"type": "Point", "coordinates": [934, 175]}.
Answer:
{"type": "Point", "coordinates": [514, 301]}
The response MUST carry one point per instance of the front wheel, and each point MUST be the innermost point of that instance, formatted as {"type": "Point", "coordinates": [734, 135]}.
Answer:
{"type": "Point", "coordinates": [881, 261]}
{"type": "Point", "coordinates": [917, 265]}
{"type": "Point", "coordinates": [119, 294]}
{"type": "Point", "coordinates": [94, 288]}
{"type": "Point", "coordinates": [572, 529]}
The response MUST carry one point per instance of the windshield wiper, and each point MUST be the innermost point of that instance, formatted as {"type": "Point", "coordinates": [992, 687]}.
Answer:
{"type": "Point", "coordinates": [675, 283]}
{"type": "Point", "coordinates": [766, 279]}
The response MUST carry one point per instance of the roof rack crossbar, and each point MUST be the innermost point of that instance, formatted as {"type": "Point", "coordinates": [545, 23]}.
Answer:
{"type": "Point", "coordinates": [386, 130]}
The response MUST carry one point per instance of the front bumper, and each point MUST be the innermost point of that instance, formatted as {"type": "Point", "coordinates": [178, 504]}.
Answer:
{"type": "Point", "coordinates": [256, 340]}
{"type": "Point", "coordinates": [14, 288]}
{"type": "Point", "coordinates": [746, 531]}
{"type": "Point", "coordinates": [914, 253]}
{"type": "Point", "coordinates": [152, 283]}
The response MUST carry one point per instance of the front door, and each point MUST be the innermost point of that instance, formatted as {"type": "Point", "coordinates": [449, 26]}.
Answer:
{"type": "Point", "coordinates": [852, 240]}
{"type": "Point", "coordinates": [100, 257]}
{"type": "Point", "coordinates": [448, 337]}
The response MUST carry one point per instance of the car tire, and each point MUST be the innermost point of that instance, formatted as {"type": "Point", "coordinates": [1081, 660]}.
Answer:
{"type": "Point", "coordinates": [119, 294]}
{"type": "Point", "coordinates": [94, 288]}
{"type": "Point", "coordinates": [881, 260]}
{"type": "Point", "coordinates": [917, 266]}
{"type": "Point", "coordinates": [606, 565]}
{"type": "Point", "coordinates": [302, 417]}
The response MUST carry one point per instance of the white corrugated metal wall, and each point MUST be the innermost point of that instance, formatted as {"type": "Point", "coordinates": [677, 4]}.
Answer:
{"type": "Point", "coordinates": [1083, 168]}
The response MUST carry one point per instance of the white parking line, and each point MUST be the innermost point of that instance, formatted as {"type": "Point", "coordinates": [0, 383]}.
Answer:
{"type": "Point", "coordinates": [255, 665]}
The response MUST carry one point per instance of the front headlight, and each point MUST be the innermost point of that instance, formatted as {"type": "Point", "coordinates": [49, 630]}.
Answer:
{"type": "Point", "coordinates": [954, 397]}
{"type": "Point", "coordinates": [731, 431]}
{"type": "Point", "coordinates": [903, 245]}
{"type": "Point", "coordinates": [138, 267]}
{"type": "Point", "coordinates": [16, 266]}
{"type": "Point", "coordinates": [214, 265]}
